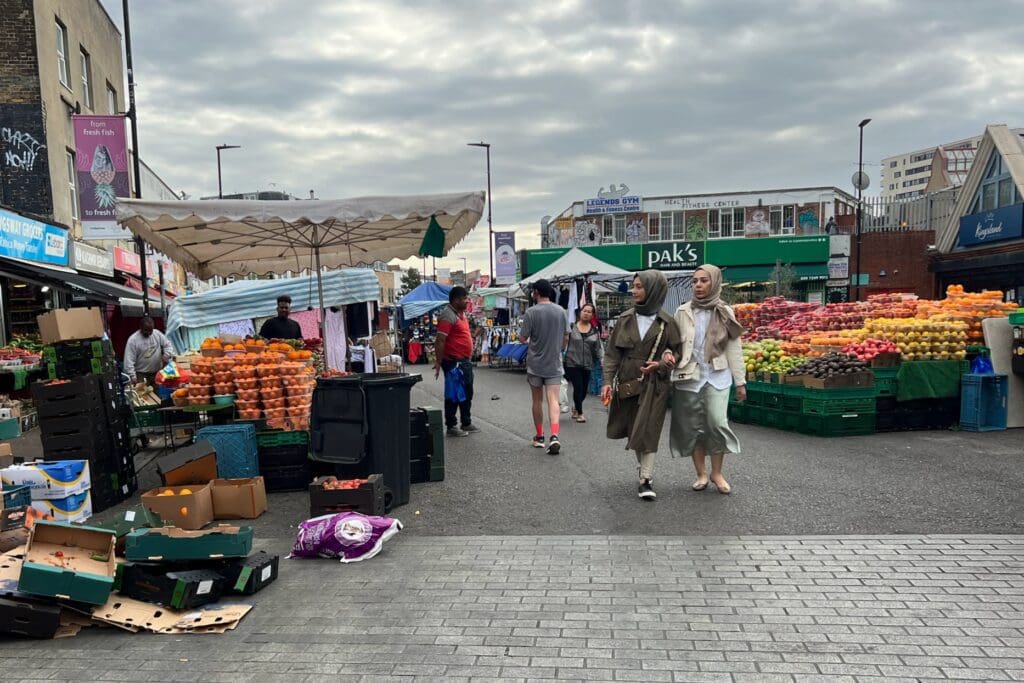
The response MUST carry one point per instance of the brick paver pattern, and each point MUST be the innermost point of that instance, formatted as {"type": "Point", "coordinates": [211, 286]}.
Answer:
{"type": "Point", "coordinates": [601, 608]}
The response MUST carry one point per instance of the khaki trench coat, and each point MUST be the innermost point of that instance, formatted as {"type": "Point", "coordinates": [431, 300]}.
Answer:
{"type": "Point", "coordinates": [642, 417]}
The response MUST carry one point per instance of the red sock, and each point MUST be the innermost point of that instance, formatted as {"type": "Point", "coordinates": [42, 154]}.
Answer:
{"type": "Point", "coordinates": [554, 429]}
{"type": "Point", "coordinates": [540, 429]}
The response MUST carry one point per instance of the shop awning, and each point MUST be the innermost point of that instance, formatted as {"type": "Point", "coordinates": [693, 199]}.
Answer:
{"type": "Point", "coordinates": [67, 280]}
{"type": "Point", "coordinates": [805, 272]}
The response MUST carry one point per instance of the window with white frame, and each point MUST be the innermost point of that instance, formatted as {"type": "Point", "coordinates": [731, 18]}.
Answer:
{"type": "Point", "coordinates": [620, 228]}
{"type": "Point", "coordinates": [86, 65]}
{"type": "Point", "coordinates": [725, 223]}
{"type": "Point", "coordinates": [775, 219]}
{"type": "Point", "coordinates": [62, 55]}
{"type": "Point", "coordinates": [653, 227]}
{"type": "Point", "coordinates": [678, 225]}
{"type": "Point", "coordinates": [714, 230]}
{"type": "Point", "coordinates": [72, 188]}
{"type": "Point", "coordinates": [788, 219]}
{"type": "Point", "coordinates": [607, 229]}
{"type": "Point", "coordinates": [111, 99]}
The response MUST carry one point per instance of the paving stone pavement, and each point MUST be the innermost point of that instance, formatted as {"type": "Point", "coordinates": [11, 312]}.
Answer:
{"type": "Point", "coordinates": [661, 608]}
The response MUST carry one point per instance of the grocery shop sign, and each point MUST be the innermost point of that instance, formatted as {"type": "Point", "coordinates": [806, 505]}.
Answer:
{"type": "Point", "coordinates": [673, 255]}
{"type": "Point", "coordinates": [997, 225]}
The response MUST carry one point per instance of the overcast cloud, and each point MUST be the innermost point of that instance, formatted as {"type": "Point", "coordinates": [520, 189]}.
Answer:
{"type": "Point", "coordinates": [381, 97]}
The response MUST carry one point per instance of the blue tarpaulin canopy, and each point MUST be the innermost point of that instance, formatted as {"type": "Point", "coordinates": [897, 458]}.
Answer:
{"type": "Point", "coordinates": [424, 299]}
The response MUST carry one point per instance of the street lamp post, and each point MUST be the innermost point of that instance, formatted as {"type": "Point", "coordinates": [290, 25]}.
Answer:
{"type": "Point", "coordinates": [861, 185]}
{"type": "Point", "coordinates": [490, 225]}
{"type": "Point", "coordinates": [465, 273]}
{"type": "Point", "coordinates": [220, 188]}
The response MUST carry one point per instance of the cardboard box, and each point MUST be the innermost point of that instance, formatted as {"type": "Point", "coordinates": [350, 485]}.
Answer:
{"type": "Point", "coordinates": [175, 589]}
{"type": "Point", "coordinates": [6, 455]}
{"type": "Point", "coordinates": [50, 480]}
{"type": "Point", "coordinates": [69, 562]}
{"type": "Point", "coordinates": [238, 498]}
{"type": "Point", "coordinates": [886, 360]}
{"type": "Point", "coordinates": [193, 510]}
{"type": "Point", "coordinates": [69, 324]}
{"type": "Point", "coordinates": [74, 508]}
{"type": "Point", "coordinates": [134, 616]}
{"type": "Point", "coordinates": [852, 380]}
{"type": "Point", "coordinates": [12, 518]}
{"type": "Point", "coordinates": [169, 544]}
{"type": "Point", "coordinates": [251, 574]}
{"type": "Point", "coordinates": [137, 517]}
{"type": "Point", "coordinates": [194, 464]}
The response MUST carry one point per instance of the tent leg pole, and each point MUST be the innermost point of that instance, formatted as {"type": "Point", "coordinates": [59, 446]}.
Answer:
{"type": "Point", "coordinates": [320, 292]}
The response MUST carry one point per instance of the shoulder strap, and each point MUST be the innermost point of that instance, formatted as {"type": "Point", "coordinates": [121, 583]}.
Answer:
{"type": "Point", "coordinates": [657, 341]}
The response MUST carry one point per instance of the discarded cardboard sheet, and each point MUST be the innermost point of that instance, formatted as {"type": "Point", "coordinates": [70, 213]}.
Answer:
{"type": "Point", "coordinates": [135, 615]}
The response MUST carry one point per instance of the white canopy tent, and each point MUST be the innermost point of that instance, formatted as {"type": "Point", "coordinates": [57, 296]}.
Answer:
{"type": "Point", "coordinates": [575, 263]}
{"type": "Point", "coordinates": [238, 237]}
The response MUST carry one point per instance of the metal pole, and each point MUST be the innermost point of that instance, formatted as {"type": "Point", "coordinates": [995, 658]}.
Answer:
{"type": "Point", "coordinates": [490, 224]}
{"type": "Point", "coordinates": [140, 247]}
{"type": "Point", "coordinates": [163, 300]}
{"type": "Point", "coordinates": [319, 285]}
{"type": "Point", "coordinates": [860, 201]}
{"type": "Point", "coordinates": [220, 186]}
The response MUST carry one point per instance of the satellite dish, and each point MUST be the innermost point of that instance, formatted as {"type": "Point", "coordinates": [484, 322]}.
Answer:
{"type": "Point", "coordinates": [860, 180]}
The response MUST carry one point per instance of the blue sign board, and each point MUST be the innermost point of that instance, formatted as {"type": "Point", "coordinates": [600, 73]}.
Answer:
{"type": "Point", "coordinates": [29, 240]}
{"type": "Point", "coordinates": [997, 225]}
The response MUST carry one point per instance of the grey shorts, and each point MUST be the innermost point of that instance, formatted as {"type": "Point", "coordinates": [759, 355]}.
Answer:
{"type": "Point", "coordinates": [537, 381]}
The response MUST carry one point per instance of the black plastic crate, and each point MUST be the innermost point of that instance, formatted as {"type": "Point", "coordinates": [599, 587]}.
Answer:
{"type": "Point", "coordinates": [28, 619]}
{"type": "Point", "coordinates": [928, 414]}
{"type": "Point", "coordinates": [78, 349]}
{"type": "Point", "coordinates": [152, 582]}
{"type": "Point", "coordinates": [286, 478]}
{"type": "Point", "coordinates": [104, 439]}
{"type": "Point", "coordinates": [282, 456]}
{"type": "Point", "coordinates": [84, 366]}
{"type": "Point", "coordinates": [93, 405]}
{"type": "Point", "coordinates": [369, 499]}
{"type": "Point", "coordinates": [251, 574]}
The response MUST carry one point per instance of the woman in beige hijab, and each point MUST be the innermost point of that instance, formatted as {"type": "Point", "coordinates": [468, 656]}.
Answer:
{"type": "Point", "coordinates": [710, 363]}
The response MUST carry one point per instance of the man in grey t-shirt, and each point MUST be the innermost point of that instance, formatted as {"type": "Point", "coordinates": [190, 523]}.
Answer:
{"type": "Point", "coordinates": [546, 329]}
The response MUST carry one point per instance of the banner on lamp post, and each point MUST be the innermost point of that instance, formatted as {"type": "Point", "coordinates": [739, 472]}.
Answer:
{"type": "Point", "coordinates": [101, 169]}
{"type": "Point", "coordinates": [504, 258]}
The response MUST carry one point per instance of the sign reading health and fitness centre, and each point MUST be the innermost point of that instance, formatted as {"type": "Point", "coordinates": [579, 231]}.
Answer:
{"type": "Point", "coordinates": [24, 238]}
{"type": "Point", "coordinates": [997, 225]}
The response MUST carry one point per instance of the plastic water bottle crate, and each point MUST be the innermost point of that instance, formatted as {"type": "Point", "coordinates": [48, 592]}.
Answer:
{"type": "Point", "coordinates": [983, 402]}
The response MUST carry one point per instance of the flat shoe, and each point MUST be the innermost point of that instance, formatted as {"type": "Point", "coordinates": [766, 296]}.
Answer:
{"type": "Point", "coordinates": [724, 488]}
{"type": "Point", "coordinates": [699, 485]}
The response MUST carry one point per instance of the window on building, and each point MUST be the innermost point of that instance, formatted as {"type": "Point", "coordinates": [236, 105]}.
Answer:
{"type": "Point", "coordinates": [788, 220]}
{"type": "Point", "coordinates": [620, 228]}
{"type": "Point", "coordinates": [892, 164]}
{"type": "Point", "coordinates": [678, 225]}
{"type": "Point", "coordinates": [725, 223]}
{"type": "Point", "coordinates": [62, 55]}
{"type": "Point", "coordinates": [607, 229]}
{"type": "Point", "coordinates": [111, 99]}
{"type": "Point", "coordinates": [897, 174]}
{"type": "Point", "coordinates": [775, 219]}
{"type": "Point", "coordinates": [72, 188]}
{"type": "Point", "coordinates": [665, 220]}
{"type": "Point", "coordinates": [86, 64]}
{"type": "Point", "coordinates": [714, 228]}
{"type": "Point", "coordinates": [653, 227]}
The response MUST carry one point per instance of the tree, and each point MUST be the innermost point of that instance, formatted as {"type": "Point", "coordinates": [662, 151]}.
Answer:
{"type": "Point", "coordinates": [410, 280]}
{"type": "Point", "coordinates": [784, 280]}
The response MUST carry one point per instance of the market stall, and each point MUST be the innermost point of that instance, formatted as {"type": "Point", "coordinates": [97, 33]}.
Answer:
{"type": "Point", "coordinates": [893, 362]}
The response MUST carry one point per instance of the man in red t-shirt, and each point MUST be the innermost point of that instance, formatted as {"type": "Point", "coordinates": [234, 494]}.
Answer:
{"type": "Point", "coordinates": [454, 348]}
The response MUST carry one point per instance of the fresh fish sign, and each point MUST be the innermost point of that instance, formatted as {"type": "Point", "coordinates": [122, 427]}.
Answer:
{"type": "Point", "coordinates": [101, 158]}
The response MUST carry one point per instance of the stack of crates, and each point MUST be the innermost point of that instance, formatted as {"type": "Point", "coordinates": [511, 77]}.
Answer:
{"type": "Point", "coordinates": [983, 402]}
{"type": "Point", "coordinates": [83, 418]}
{"type": "Point", "coordinates": [426, 445]}
{"type": "Point", "coordinates": [818, 412]}
{"type": "Point", "coordinates": [68, 359]}
{"type": "Point", "coordinates": [283, 459]}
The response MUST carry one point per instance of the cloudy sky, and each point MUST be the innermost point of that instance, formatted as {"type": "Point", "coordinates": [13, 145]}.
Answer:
{"type": "Point", "coordinates": [686, 96]}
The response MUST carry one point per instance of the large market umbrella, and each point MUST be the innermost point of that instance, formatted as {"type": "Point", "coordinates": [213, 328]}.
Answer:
{"type": "Point", "coordinates": [238, 236]}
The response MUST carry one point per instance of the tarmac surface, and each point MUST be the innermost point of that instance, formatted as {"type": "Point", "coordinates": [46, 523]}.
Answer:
{"type": "Point", "coordinates": [886, 557]}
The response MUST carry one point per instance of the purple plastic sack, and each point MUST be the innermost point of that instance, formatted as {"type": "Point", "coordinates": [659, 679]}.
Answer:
{"type": "Point", "coordinates": [349, 536]}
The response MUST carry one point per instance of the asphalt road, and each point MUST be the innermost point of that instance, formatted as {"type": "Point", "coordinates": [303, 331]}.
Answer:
{"type": "Point", "coordinates": [783, 483]}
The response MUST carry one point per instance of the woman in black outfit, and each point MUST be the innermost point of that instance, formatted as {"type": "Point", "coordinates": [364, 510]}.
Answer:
{"type": "Point", "coordinates": [584, 351]}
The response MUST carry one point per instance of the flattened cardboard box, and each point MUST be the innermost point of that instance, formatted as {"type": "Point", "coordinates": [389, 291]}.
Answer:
{"type": "Point", "coordinates": [134, 615]}
{"type": "Point", "coordinates": [195, 464]}
{"type": "Point", "coordinates": [238, 498]}
{"type": "Point", "coordinates": [172, 544]}
{"type": "Point", "coordinates": [69, 562]}
{"type": "Point", "coordinates": [193, 510]}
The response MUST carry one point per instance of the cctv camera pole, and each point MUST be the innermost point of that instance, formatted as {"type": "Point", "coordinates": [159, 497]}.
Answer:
{"type": "Point", "coordinates": [860, 203]}
{"type": "Point", "coordinates": [140, 247]}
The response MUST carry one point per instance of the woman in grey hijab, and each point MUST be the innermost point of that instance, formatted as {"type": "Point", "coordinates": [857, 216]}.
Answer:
{"type": "Point", "coordinates": [640, 353]}
{"type": "Point", "coordinates": [710, 363]}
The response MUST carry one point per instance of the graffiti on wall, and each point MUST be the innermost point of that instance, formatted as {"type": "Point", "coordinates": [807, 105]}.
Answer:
{"type": "Point", "coordinates": [757, 224]}
{"type": "Point", "coordinates": [808, 221]}
{"type": "Point", "coordinates": [636, 231]}
{"type": "Point", "coordinates": [696, 227]}
{"type": "Point", "coordinates": [587, 234]}
{"type": "Point", "coordinates": [20, 149]}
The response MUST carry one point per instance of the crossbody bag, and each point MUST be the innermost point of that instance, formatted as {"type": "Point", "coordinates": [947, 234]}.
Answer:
{"type": "Point", "coordinates": [631, 387]}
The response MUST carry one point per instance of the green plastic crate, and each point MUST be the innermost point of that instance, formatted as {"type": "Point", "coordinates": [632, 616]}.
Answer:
{"type": "Point", "coordinates": [847, 424]}
{"type": "Point", "coordinates": [275, 438]}
{"type": "Point", "coordinates": [1017, 318]}
{"type": "Point", "coordinates": [833, 394]}
{"type": "Point", "coordinates": [837, 406]}
{"type": "Point", "coordinates": [779, 419]}
{"type": "Point", "coordinates": [739, 413]}
{"type": "Point", "coordinates": [145, 416]}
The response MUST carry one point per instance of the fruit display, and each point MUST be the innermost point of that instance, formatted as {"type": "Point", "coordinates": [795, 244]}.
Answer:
{"type": "Point", "coordinates": [830, 365]}
{"type": "Point", "coordinates": [870, 348]}
{"type": "Point", "coordinates": [928, 339]}
{"type": "Point", "coordinates": [767, 355]}
{"type": "Point", "coordinates": [335, 484]}
{"type": "Point", "coordinates": [969, 308]}
{"type": "Point", "coordinates": [16, 356]}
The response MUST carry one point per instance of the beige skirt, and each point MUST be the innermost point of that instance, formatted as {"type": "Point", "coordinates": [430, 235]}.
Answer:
{"type": "Point", "coordinates": [701, 419]}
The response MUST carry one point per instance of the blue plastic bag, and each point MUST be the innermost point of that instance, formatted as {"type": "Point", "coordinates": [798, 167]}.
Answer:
{"type": "Point", "coordinates": [982, 365]}
{"type": "Point", "coordinates": [454, 385]}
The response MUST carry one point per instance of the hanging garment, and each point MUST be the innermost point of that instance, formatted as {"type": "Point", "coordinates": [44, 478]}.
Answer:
{"type": "Point", "coordinates": [574, 302]}
{"type": "Point", "coordinates": [242, 328]}
{"type": "Point", "coordinates": [309, 322]}
{"type": "Point", "coordinates": [336, 345]}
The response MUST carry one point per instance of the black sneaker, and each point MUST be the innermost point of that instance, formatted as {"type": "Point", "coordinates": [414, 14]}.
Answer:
{"type": "Point", "coordinates": [554, 445]}
{"type": "Point", "coordinates": [646, 491]}
{"type": "Point", "coordinates": [455, 431]}
{"type": "Point", "coordinates": [470, 428]}
{"type": "Point", "coordinates": [538, 441]}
